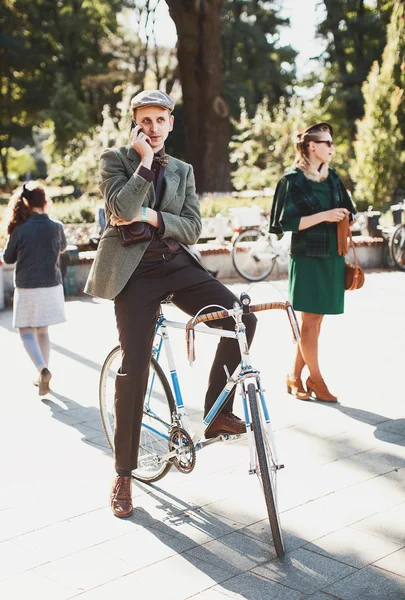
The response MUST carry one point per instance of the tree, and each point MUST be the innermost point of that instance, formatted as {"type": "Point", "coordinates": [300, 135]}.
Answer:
{"type": "Point", "coordinates": [207, 126]}
{"type": "Point", "coordinates": [45, 47]}
{"type": "Point", "coordinates": [254, 66]}
{"type": "Point", "coordinates": [355, 33]}
{"type": "Point", "coordinates": [380, 145]}
{"type": "Point", "coordinates": [262, 148]}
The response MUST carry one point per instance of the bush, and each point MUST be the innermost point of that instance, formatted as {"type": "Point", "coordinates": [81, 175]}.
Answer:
{"type": "Point", "coordinates": [75, 211]}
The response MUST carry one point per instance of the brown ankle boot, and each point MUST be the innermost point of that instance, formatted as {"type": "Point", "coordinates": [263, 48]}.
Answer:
{"type": "Point", "coordinates": [296, 388]}
{"type": "Point", "coordinates": [319, 389]}
{"type": "Point", "coordinates": [121, 496]}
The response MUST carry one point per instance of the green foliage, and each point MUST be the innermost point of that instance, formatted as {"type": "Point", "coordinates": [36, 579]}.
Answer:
{"type": "Point", "coordinates": [75, 211]}
{"type": "Point", "coordinates": [20, 162]}
{"type": "Point", "coordinates": [380, 144]}
{"type": "Point", "coordinates": [49, 52]}
{"type": "Point", "coordinates": [212, 206]}
{"type": "Point", "coordinates": [80, 163]}
{"type": "Point", "coordinates": [254, 67]}
{"type": "Point", "coordinates": [263, 147]}
{"type": "Point", "coordinates": [355, 36]}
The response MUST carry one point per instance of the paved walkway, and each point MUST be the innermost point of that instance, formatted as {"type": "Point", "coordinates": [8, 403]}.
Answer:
{"type": "Point", "coordinates": [204, 535]}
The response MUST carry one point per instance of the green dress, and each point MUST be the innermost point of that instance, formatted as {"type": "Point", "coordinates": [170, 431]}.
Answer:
{"type": "Point", "coordinates": [317, 285]}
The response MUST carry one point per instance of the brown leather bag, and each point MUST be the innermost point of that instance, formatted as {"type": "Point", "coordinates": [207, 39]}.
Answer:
{"type": "Point", "coordinates": [343, 233]}
{"type": "Point", "coordinates": [354, 275]}
{"type": "Point", "coordinates": [136, 232]}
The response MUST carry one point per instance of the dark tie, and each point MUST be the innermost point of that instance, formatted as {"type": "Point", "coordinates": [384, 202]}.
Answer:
{"type": "Point", "coordinates": [161, 159]}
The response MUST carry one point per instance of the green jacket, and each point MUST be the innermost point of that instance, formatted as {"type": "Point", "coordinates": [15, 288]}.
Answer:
{"type": "Point", "coordinates": [125, 193]}
{"type": "Point", "coordinates": [294, 199]}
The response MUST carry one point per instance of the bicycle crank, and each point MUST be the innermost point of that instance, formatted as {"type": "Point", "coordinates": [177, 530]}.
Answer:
{"type": "Point", "coordinates": [181, 442]}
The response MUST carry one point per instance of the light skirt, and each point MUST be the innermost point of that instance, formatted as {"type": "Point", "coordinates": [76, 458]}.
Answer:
{"type": "Point", "coordinates": [38, 307]}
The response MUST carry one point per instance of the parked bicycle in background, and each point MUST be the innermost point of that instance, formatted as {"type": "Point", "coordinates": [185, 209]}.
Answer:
{"type": "Point", "coordinates": [255, 251]}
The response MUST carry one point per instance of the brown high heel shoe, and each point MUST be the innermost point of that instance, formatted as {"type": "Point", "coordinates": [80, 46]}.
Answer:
{"type": "Point", "coordinates": [295, 388]}
{"type": "Point", "coordinates": [319, 389]}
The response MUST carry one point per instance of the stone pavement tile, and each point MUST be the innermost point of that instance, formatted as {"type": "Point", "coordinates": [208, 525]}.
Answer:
{"type": "Point", "coordinates": [188, 575]}
{"type": "Point", "coordinates": [261, 530]}
{"type": "Point", "coordinates": [84, 570]}
{"type": "Point", "coordinates": [370, 583]}
{"type": "Point", "coordinates": [304, 571]}
{"type": "Point", "coordinates": [14, 559]}
{"type": "Point", "coordinates": [395, 563]}
{"type": "Point", "coordinates": [395, 426]}
{"type": "Point", "coordinates": [247, 508]}
{"type": "Point", "coordinates": [234, 551]}
{"type": "Point", "coordinates": [101, 525]}
{"type": "Point", "coordinates": [353, 547]}
{"type": "Point", "coordinates": [33, 585]}
{"type": "Point", "coordinates": [321, 596]}
{"type": "Point", "coordinates": [145, 547]}
{"type": "Point", "coordinates": [388, 524]}
{"type": "Point", "coordinates": [340, 509]}
{"type": "Point", "coordinates": [249, 586]}
{"type": "Point", "coordinates": [94, 437]}
{"type": "Point", "coordinates": [199, 525]}
{"type": "Point", "coordinates": [124, 587]}
{"type": "Point", "coordinates": [53, 542]}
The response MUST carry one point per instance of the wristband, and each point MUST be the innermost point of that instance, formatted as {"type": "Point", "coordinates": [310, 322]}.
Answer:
{"type": "Point", "coordinates": [144, 209]}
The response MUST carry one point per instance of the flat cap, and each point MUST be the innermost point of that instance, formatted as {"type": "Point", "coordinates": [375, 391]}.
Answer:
{"type": "Point", "coordinates": [152, 98]}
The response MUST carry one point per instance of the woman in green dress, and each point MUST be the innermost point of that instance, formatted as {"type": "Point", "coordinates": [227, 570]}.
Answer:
{"type": "Point", "coordinates": [309, 201]}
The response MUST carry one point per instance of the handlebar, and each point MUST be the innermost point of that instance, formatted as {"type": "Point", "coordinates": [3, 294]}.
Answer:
{"type": "Point", "coordinates": [223, 314]}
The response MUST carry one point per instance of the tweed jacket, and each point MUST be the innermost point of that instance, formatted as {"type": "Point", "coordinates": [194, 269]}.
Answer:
{"type": "Point", "coordinates": [125, 192]}
{"type": "Point", "coordinates": [294, 198]}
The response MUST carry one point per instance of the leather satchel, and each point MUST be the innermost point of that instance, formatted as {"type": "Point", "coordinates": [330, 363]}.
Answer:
{"type": "Point", "coordinates": [135, 233]}
{"type": "Point", "coordinates": [354, 275]}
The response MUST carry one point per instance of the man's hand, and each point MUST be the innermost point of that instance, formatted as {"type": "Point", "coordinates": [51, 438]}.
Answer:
{"type": "Point", "coordinates": [141, 143]}
{"type": "Point", "coordinates": [151, 218]}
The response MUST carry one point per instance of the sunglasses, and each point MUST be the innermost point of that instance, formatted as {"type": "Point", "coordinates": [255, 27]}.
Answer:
{"type": "Point", "coordinates": [329, 143]}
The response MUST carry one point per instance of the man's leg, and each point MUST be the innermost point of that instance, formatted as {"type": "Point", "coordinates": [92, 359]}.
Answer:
{"type": "Point", "coordinates": [191, 300]}
{"type": "Point", "coordinates": [136, 321]}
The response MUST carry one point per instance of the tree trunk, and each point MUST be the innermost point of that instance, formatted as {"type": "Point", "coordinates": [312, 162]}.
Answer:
{"type": "Point", "coordinates": [207, 127]}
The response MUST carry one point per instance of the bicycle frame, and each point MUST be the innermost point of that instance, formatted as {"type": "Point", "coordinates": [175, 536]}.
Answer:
{"type": "Point", "coordinates": [243, 372]}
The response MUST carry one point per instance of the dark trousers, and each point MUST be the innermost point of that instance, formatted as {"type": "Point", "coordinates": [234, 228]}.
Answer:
{"type": "Point", "coordinates": [136, 311]}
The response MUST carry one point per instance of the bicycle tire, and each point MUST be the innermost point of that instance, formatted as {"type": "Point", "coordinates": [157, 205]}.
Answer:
{"type": "Point", "coordinates": [158, 412]}
{"type": "Point", "coordinates": [397, 247]}
{"type": "Point", "coordinates": [266, 463]}
{"type": "Point", "coordinates": [253, 255]}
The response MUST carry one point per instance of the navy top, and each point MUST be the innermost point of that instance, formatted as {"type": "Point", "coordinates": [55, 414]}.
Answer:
{"type": "Point", "coordinates": [35, 246]}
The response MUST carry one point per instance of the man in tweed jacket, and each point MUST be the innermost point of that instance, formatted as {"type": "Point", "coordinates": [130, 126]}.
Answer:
{"type": "Point", "coordinates": [140, 182]}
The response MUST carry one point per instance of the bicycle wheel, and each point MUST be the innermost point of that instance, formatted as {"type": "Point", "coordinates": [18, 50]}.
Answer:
{"type": "Point", "coordinates": [266, 469]}
{"type": "Point", "coordinates": [158, 410]}
{"type": "Point", "coordinates": [253, 254]}
{"type": "Point", "coordinates": [397, 247]}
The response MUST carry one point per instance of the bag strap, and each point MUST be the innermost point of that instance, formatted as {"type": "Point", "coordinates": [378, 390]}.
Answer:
{"type": "Point", "coordinates": [351, 243]}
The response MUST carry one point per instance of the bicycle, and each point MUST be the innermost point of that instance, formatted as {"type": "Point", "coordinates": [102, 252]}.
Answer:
{"type": "Point", "coordinates": [166, 440]}
{"type": "Point", "coordinates": [255, 252]}
{"type": "Point", "coordinates": [396, 242]}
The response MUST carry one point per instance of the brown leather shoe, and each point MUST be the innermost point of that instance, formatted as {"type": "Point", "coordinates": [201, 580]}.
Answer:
{"type": "Point", "coordinates": [226, 422]}
{"type": "Point", "coordinates": [121, 497]}
{"type": "Point", "coordinates": [296, 388]}
{"type": "Point", "coordinates": [320, 391]}
{"type": "Point", "coordinates": [43, 381]}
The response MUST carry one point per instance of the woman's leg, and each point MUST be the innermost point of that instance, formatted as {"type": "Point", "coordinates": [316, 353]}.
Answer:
{"type": "Point", "coordinates": [32, 347]}
{"type": "Point", "coordinates": [44, 343]}
{"type": "Point", "coordinates": [299, 363]}
{"type": "Point", "coordinates": [308, 347]}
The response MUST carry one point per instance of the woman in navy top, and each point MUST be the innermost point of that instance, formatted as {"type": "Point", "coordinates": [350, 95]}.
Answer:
{"type": "Point", "coordinates": [34, 244]}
